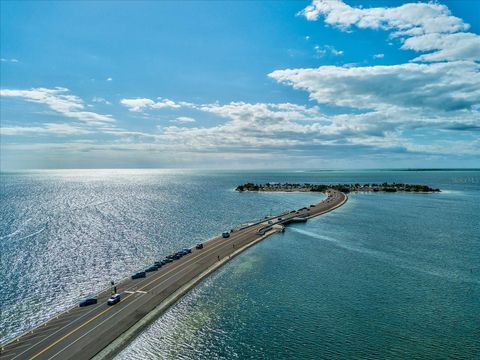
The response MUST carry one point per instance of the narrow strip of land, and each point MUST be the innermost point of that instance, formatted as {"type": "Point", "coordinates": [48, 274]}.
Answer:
{"type": "Point", "coordinates": [82, 332]}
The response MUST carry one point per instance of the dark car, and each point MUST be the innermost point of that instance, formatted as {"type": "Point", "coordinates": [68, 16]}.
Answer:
{"type": "Point", "coordinates": [139, 275]}
{"type": "Point", "coordinates": [158, 264]}
{"type": "Point", "coordinates": [113, 299]}
{"type": "Point", "coordinates": [187, 250]}
{"type": "Point", "coordinates": [199, 246]}
{"type": "Point", "coordinates": [167, 260]}
{"type": "Point", "coordinates": [279, 218]}
{"type": "Point", "coordinates": [88, 301]}
{"type": "Point", "coordinates": [171, 256]}
{"type": "Point", "coordinates": [151, 268]}
{"type": "Point", "coordinates": [225, 234]}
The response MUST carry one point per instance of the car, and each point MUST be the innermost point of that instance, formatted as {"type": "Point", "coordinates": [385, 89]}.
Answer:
{"type": "Point", "coordinates": [225, 234]}
{"type": "Point", "coordinates": [171, 256]}
{"type": "Point", "coordinates": [270, 222]}
{"type": "Point", "coordinates": [199, 246]}
{"type": "Point", "coordinates": [151, 268]}
{"type": "Point", "coordinates": [139, 275]}
{"type": "Point", "coordinates": [115, 298]}
{"type": "Point", "coordinates": [167, 260]}
{"type": "Point", "coordinates": [312, 205]}
{"type": "Point", "coordinates": [187, 250]}
{"type": "Point", "coordinates": [158, 264]}
{"type": "Point", "coordinates": [88, 301]}
{"type": "Point", "coordinates": [279, 218]}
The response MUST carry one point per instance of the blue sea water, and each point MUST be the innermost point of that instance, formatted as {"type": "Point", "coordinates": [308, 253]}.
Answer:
{"type": "Point", "coordinates": [385, 276]}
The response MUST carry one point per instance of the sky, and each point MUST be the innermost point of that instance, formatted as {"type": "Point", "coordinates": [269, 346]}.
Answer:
{"type": "Point", "coordinates": [239, 85]}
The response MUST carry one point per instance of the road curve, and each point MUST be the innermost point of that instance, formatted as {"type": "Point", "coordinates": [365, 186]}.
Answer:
{"type": "Point", "coordinates": [81, 333]}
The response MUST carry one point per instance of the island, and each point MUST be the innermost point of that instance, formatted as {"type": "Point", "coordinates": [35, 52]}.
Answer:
{"type": "Point", "coordinates": [345, 188]}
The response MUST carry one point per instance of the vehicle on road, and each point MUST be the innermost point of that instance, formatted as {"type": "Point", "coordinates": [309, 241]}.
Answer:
{"type": "Point", "coordinates": [158, 264]}
{"type": "Point", "coordinates": [187, 250]}
{"type": "Point", "coordinates": [279, 218]}
{"type": "Point", "coordinates": [88, 301]}
{"type": "Point", "coordinates": [151, 268]}
{"type": "Point", "coordinates": [167, 260]}
{"type": "Point", "coordinates": [225, 234]}
{"type": "Point", "coordinates": [113, 299]}
{"type": "Point", "coordinates": [199, 246]}
{"type": "Point", "coordinates": [139, 275]}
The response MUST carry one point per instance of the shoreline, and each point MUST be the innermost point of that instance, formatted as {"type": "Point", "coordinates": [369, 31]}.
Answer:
{"type": "Point", "coordinates": [344, 188]}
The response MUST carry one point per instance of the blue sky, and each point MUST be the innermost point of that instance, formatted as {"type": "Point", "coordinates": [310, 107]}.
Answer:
{"type": "Point", "coordinates": [322, 84]}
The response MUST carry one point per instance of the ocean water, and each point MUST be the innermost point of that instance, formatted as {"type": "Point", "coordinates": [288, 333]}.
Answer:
{"type": "Point", "coordinates": [385, 276]}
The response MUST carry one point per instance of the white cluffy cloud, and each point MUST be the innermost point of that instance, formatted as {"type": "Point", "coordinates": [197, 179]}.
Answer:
{"type": "Point", "coordinates": [421, 26]}
{"type": "Point", "coordinates": [436, 87]}
{"type": "Point", "coordinates": [378, 56]}
{"type": "Point", "coordinates": [138, 105]}
{"type": "Point", "coordinates": [60, 101]}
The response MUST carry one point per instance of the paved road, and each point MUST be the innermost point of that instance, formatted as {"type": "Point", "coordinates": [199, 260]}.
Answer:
{"type": "Point", "coordinates": [80, 333]}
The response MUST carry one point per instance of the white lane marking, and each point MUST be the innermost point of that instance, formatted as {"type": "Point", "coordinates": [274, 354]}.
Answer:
{"type": "Point", "coordinates": [6, 355]}
{"type": "Point", "coordinates": [141, 291]}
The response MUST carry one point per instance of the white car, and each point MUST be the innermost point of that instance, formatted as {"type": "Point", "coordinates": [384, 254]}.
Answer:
{"type": "Point", "coordinates": [113, 299]}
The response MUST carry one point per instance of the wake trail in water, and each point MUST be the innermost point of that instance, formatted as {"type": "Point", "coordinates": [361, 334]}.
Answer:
{"type": "Point", "coordinates": [20, 228]}
{"type": "Point", "coordinates": [32, 234]}
{"type": "Point", "coordinates": [394, 260]}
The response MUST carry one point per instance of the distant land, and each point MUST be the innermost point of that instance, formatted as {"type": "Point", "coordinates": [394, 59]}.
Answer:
{"type": "Point", "coordinates": [345, 188]}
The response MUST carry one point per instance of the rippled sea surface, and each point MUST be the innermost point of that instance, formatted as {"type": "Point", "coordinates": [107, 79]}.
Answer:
{"type": "Point", "coordinates": [384, 276]}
